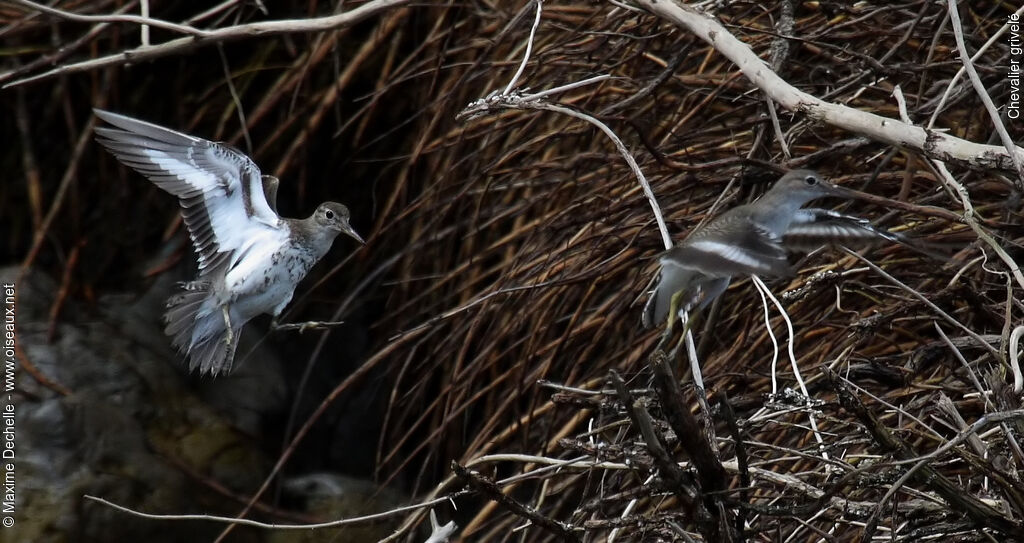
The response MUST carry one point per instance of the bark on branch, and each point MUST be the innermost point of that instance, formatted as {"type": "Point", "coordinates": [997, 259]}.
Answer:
{"type": "Point", "coordinates": [932, 143]}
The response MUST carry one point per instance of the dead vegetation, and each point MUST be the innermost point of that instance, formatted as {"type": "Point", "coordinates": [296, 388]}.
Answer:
{"type": "Point", "coordinates": [513, 250]}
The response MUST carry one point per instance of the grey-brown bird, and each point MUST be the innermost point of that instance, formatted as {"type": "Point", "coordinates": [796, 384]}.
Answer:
{"type": "Point", "coordinates": [250, 258]}
{"type": "Point", "coordinates": [754, 239]}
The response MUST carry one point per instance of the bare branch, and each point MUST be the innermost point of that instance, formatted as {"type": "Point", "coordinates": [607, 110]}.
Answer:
{"type": "Point", "coordinates": [514, 101]}
{"type": "Point", "coordinates": [144, 20]}
{"type": "Point", "coordinates": [529, 47]}
{"type": "Point", "coordinates": [204, 38]}
{"type": "Point", "coordinates": [1018, 378]}
{"type": "Point", "coordinates": [956, 78]}
{"type": "Point", "coordinates": [267, 526]}
{"type": "Point", "coordinates": [979, 87]}
{"type": "Point", "coordinates": [933, 143]}
{"type": "Point", "coordinates": [487, 487]}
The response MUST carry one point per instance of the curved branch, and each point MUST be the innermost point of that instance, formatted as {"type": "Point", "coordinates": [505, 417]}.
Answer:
{"type": "Point", "coordinates": [220, 35]}
{"type": "Point", "coordinates": [268, 526]}
{"type": "Point", "coordinates": [932, 143]}
{"type": "Point", "coordinates": [116, 18]}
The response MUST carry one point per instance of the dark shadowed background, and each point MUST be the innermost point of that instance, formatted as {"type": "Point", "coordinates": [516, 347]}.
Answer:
{"type": "Point", "coordinates": [501, 251]}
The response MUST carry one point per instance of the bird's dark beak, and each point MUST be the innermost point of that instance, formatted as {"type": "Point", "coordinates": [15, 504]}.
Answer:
{"type": "Point", "coordinates": [347, 228]}
{"type": "Point", "coordinates": [843, 192]}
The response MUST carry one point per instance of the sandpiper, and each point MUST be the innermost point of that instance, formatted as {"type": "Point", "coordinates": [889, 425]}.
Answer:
{"type": "Point", "coordinates": [754, 239]}
{"type": "Point", "coordinates": [250, 258]}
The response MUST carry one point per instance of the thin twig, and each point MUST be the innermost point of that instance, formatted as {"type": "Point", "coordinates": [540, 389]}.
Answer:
{"type": "Point", "coordinates": [1018, 378]}
{"type": "Point", "coordinates": [144, 31]}
{"type": "Point", "coordinates": [513, 101]}
{"type": "Point", "coordinates": [235, 97]}
{"type": "Point", "coordinates": [940, 107]}
{"type": "Point", "coordinates": [979, 88]}
{"type": "Point", "coordinates": [968, 217]}
{"type": "Point", "coordinates": [220, 35]}
{"type": "Point", "coordinates": [144, 20]}
{"type": "Point", "coordinates": [792, 359]}
{"type": "Point", "coordinates": [487, 487]}
{"type": "Point", "coordinates": [925, 301]}
{"type": "Point", "coordinates": [268, 526]}
{"type": "Point", "coordinates": [529, 47]}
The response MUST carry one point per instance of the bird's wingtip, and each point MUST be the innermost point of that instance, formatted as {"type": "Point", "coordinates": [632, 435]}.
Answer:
{"type": "Point", "coordinates": [104, 114]}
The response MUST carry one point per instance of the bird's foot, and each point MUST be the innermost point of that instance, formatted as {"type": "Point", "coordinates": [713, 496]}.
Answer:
{"type": "Point", "coordinates": [680, 345]}
{"type": "Point", "coordinates": [666, 338]}
{"type": "Point", "coordinates": [229, 337]}
{"type": "Point", "coordinates": [303, 326]}
{"type": "Point", "coordinates": [673, 316]}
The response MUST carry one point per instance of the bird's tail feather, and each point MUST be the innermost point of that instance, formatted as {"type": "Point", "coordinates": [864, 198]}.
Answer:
{"type": "Point", "coordinates": [671, 281]}
{"type": "Point", "coordinates": [697, 291]}
{"type": "Point", "coordinates": [198, 332]}
{"type": "Point", "coordinates": [215, 355]}
{"type": "Point", "coordinates": [181, 317]}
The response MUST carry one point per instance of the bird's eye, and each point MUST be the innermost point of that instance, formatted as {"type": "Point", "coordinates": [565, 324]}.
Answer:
{"type": "Point", "coordinates": [329, 214]}
{"type": "Point", "coordinates": [811, 180]}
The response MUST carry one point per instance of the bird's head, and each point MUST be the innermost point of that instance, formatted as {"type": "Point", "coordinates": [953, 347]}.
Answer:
{"type": "Point", "coordinates": [807, 185]}
{"type": "Point", "coordinates": [335, 216]}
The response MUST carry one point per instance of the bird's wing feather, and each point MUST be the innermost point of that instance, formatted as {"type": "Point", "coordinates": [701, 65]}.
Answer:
{"type": "Point", "coordinates": [270, 185]}
{"type": "Point", "coordinates": [811, 228]}
{"type": "Point", "coordinates": [220, 189]}
{"type": "Point", "coordinates": [725, 249]}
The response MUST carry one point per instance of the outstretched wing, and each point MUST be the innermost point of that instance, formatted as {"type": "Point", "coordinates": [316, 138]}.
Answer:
{"type": "Point", "coordinates": [729, 246]}
{"type": "Point", "coordinates": [220, 190]}
{"type": "Point", "coordinates": [812, 228]}
{"type": "Point", "coordinates": [703, 264]}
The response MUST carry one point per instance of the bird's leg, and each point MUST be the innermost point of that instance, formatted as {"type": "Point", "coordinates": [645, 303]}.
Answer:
{"type": "Point", "coordinates": [230, 337]}
{"type": "Point", "coordinates": [276, 326]}
{"type": "Point", "coordinates": [703, 294]}
{"type": "Point", "coordinates": [678, 312]}
{"type": "Point", "coordinates": [682, 339]}
{"type": "Point", "coordinates": [695, 374]}
{"type": "Point", "coordinates": [673, 307]}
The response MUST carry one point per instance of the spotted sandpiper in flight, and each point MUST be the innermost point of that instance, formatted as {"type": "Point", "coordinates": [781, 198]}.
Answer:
{"type": "Point", "coordinates": [753, 239]}
{"type": "Point", "coordinates": [250, 259]}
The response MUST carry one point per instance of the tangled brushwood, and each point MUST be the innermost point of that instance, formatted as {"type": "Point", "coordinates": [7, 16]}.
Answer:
{"type": "Point", "coordinates": [910, 429]}
{"type": "Point", "coordinates": [512, 246]}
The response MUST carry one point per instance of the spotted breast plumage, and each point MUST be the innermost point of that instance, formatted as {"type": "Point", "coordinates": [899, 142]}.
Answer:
{"type": "Point", "coordinates": [250, 259]}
